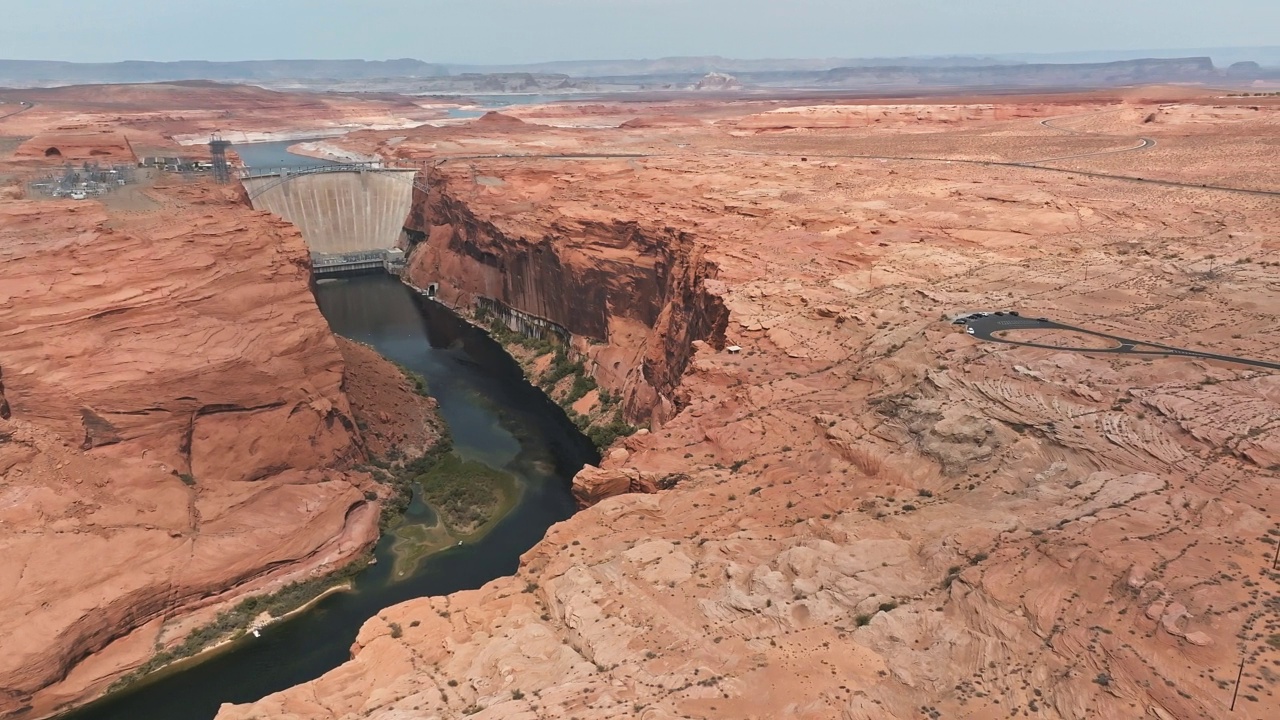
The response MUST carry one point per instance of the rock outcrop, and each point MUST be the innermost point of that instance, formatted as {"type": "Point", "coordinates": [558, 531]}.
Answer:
{"type": "Point", "coordinates": [638, 295]}
{"type": "Point", "coordinates": [174, 429]}
{"type": "Point", "coordinates": [880, 517]}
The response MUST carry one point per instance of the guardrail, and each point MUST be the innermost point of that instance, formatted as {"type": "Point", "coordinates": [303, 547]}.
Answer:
{"type": "Point", "coordinates": [390, 259]}
{"type": "Point", "coordinates": [283, 175]}
{"type": "Point", "coordinates": [246, 173]}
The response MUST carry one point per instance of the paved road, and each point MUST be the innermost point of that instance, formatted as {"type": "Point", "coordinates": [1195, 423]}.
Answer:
{"type": "Point", "coordinates": [985, 328]}
{"type": "Point", "coordinates": [1144, 143]}
{"type": "Point", "coordinates": [25, 107]}
{"type": "Point", "coordinates": [1029, 166]}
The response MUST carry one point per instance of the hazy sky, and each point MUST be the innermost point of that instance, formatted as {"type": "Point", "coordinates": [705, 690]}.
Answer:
{"type": "Point", "coordinates": [511, 31]}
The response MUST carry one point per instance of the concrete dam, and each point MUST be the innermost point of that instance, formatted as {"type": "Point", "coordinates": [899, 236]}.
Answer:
{"type": "Point", "coordinates": [351, 218]}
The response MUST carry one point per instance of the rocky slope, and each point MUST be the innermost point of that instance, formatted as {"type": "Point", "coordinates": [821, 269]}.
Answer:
{"type": "Point", "coordinates": [396, 418]}
{"type": "Point", "coordinates": [175, 432]}
{"type": "Point", "coordinates": [870, 514]}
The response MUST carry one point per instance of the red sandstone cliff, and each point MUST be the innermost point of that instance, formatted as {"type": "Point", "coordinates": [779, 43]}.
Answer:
{"type": "Point", "coordinates": [637, 296]}
{"type": "Point", "coordinates": [172, 428]}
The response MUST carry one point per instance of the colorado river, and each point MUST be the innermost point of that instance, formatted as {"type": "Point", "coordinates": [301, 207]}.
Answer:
{"type": "Point", "coordinates": [495, 417]}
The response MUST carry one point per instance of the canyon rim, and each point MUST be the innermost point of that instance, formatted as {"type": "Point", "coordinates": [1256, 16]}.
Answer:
{"type": "Point", "coordinates": [818, 495]}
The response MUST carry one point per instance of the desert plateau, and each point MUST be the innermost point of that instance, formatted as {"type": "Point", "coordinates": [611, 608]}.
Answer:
{"type": "Point", "coordinates": [707, 371]}
{"type": "Point", "coordinates": [867, 513]}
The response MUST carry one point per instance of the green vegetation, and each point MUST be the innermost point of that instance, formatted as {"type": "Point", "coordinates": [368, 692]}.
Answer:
{"type": "Point", "coordinates": [604, 435]}
{"type": "Point", "coordinates": [582, 384]}
{"type": "Point", "coordinates": [233, 623]}
{"type": "Point", "coordinates": [419, 382]}
{"type": "Point", "coordinates": [187, 479]}
{"type": "Point", "coordinates": [562, 366]}
{"type": "Point", "coordinates": [506, 336]}
{"type": "Point", "coordinates": [401, 480]}
{"type": "Point", "coordinates": [603, 426]}
{"type": "Point", "coordinates": [464, 493]}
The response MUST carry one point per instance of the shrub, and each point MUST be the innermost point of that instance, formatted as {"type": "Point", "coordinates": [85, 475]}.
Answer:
{"type": "Point", "coordinates": [239, 617]}
{"type": "Point", "coordinates": [604, 435]}
{"type": "Point", "coordinates": [582, 384]}
{"type": "Point", "coordinates": [402, 480]}
{"type": "Point", "coordinates": [561, 368]}
{"type": "Point", "coordinates": [464, 492]}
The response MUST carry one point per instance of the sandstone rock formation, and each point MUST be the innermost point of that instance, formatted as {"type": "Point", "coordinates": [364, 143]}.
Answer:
{"type": "Point", "coordinates": [174, 431]}
{"type": "Point", "coordinates": [882, 517]}
{"type": "Point", "coordinates": [175, 424]}
{"type": "Point", "coordinates": [638, 292]}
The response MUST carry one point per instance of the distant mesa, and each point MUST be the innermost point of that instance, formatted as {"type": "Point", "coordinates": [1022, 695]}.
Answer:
{"type": "Point", "coordinates": [1247, 68]}
{"type": "Point", "coordinates": [494, 119]}
{"type": "Point", "coordinates": [660, 121]}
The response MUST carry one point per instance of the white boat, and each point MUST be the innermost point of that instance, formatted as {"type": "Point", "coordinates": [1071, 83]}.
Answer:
{"type": "Point", "coordinates": [256, 633]}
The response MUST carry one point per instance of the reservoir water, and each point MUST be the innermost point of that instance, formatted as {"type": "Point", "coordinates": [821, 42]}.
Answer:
{"type": "Point", "coordinates": [495, 417]}
{"type": "Point", "coordinates": [275, 155]}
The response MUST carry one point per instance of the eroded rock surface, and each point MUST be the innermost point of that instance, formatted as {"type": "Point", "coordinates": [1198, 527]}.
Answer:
{"type": "Point", "coordinates": [175, 435]}
{"type": "Point", "coordinates": [877, 516]}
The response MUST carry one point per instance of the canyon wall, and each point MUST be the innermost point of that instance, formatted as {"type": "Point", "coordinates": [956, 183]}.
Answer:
{"type": "Point", "coordinates": [174, 431]}
{"type": "Point", "coordinates": [868, 513]}
{"type": "Point", "coordinates": [634, 297]}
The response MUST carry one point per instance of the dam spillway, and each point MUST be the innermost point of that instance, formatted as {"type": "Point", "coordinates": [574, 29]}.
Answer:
{"type": "Point", "coordinates": [340, 212]}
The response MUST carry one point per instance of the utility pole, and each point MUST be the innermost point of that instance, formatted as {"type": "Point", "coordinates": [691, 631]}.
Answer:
{"type": "Point", "coordinates": [1239, 674]}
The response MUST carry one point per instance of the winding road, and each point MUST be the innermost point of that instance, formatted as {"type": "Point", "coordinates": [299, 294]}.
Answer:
{"type": "Point", "coordinates": [1144, 143]}
{"type": "Point", "coordinates": [25, 107]}
{"type": "Point", "coordinates": [987, 327]}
